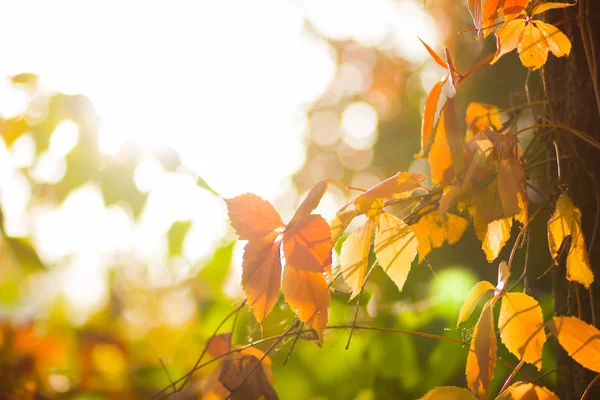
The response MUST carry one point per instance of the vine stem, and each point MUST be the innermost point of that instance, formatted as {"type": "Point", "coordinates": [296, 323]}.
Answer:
{"type": "Point", "coordinates": [589, 387]}
{"type": "Point", "coordinates": [521, 232]}
{"type": "Point", "coordinates": [511, 376]}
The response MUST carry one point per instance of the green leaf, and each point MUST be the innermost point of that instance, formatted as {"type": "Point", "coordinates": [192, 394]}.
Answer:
{"type": "Point", "coordinates": [176, 236]}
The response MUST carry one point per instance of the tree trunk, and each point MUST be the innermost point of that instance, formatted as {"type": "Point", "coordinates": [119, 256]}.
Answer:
{"type": "Point", "coordinates": [573, 103]}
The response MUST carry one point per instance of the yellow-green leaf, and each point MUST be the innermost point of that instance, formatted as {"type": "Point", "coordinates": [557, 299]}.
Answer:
{"type": "Point", "coordinates": [580, 340]}
{"type": "Point", "coordinates": [472, 299]}
{"type": "Point", "coordinates": [521, 326]}
{"type": "Point", "coordinates": [395, 248]}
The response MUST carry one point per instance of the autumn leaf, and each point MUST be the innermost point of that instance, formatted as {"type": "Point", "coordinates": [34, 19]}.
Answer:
{"type": "Point", "coordinates": [440, 160]}
{"type": "Point", "coordinates": [261, 274]}
{"type": "Point", "coordinates": [480, 116]}
{"type": "Point", "coordinates": [533, 39]}
{"type": "Point", "coordinates": [399, 186]}
{"type": "Point", "coordinates": [521, 326]}
{"type": "Point", "coordinates": [342, 219]}
{"type": "Point", "coordinates": [503, 275]}
{"type": "Point", "coordinates": [395, 248]}
{"type": "Point", "coordinates": [476, 10]}
{"type": "Point", "coordinates": [566, 221]}
{"type": "Point", "coordinates": [252, 217]}
{"type": "Point", "coordinates": [580, 340]}
{"type": "Point", "coordinates": [307, 293]}
{"type": "Point", "coordinates": [354, 256]}
{"type": "Point", "coordinates": [494, 9]}
{"type": "Point", "coordinates": [472, 299]}
{"type": "Point", "coordinates": [527, 390]}
{"type": "Point", "coordinates": [448, 393]}
{"type": "Point", "coordinates": [433, 230]}
{"type": "Point", "coordinates": [307, 244]}
{"type": "Point", "coordinates": [482, 353]}
{"type": "Point", "coordinates": [310, 202]}
{"type": "Point", "coordinates": [429, 112]}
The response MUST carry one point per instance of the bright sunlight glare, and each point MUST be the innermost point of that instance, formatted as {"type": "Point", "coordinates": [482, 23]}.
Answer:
{"type": "Point", "coordinates": [226, 84]}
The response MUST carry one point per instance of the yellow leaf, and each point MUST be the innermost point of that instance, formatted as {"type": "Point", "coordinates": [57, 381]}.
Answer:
{"type": "Point", "coordinates": [493, 235]}
{"type": "Point", "coordinates": [508, 38]}
{"type": "Point", "coordinates": [341, 221]}
{"type": "Point", "coordinates": [399, 186]}
{"type": "Point", "coordinates": [482, 353]}
{"type": "Point", "coordinates": [532, 48]}
{"type": "Point", "coordinates": [527, 390]}
{"type": "Point", "coordinates": [558, 43]}
{"type": "Point", "coordinates": [355, 256]}
{"type": "Point", "coordinates": [395, 248]}
{"type": "Point", "coordinates": [448, 393]}
{"type": "Point", "coordinates": [434, 229]}
{"type": "Point", "coordinates": [472, 299]}
{"type": "Point", "coordinates": [541, 7]}
{"type": "Point", "coordinates": [566, 221]}
{"type": "Point", "coordinates": [307, 293]}
{"type": "Point", "coordinates": [480, 116]}
{"type": "Point", "coordinates": [580, 340]}
{"type": "Point", "coordinates": [521, 326]}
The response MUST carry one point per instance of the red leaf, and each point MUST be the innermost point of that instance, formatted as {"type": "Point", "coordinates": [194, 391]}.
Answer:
{"type": "Point", "coordinates": [307, 245]}
{"type": "Point", "coordinates": [252, 217]}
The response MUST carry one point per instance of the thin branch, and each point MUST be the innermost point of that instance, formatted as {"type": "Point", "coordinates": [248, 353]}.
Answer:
{"type": "Point", "coordinates": [589, 387]}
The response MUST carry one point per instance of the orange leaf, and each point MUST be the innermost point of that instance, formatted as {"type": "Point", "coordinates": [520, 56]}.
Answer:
{"type": "Point", "coordinates": [566, 221]}
{"type": "Point", "coordinates": [247, 377]}
{"type": "Point", "coordinates": [311, 201]}
{"type": "Point", "coordinates": [448, 393]}
{"type": "Point", "coordinates": [395, 248]}
{"type": "Point", "coordinates": [494, 9]}
{"type": "Point", "coordinates": [355, 256]}
{"type": "Point", "coordinates": [580, 340]}
{"type": "Point", "coordinates": [455, 139]}
{"type": "Point", "coordinates": [526, 390]}
{"type": "Point", "coordinates": [261, 274]}
{"type": "Point", "coordinates": [219, 344]}
{"type": "Point", "coordinates": [440, 161]}
{"type": "Point", "coordinates": [252, 217]}
{"type": "Point", "coordinates": [542, 7]}
{"type": "Point", "coordinates": [482, 353]}
{"type": "Point", "coordinates": [439, 61]}
{"type": "Point", "coordinates": [493, 235]}
{"type": "Point", "coordinates": [399, 186]}
{"type": "Point", "coordinates": [307, 245]}
{"type": "Point", "coordinates": [307, 293]}
{"type": "Point", "coordinates": [472, 299]}
{"type": "Point", "coordinates": [431, 106]}
{"type": "Point", "coordinates": [521, 326]}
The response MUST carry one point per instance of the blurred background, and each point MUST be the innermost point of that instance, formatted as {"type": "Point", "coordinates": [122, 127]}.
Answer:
{"type": "Point", "coordinates": [122, 126]}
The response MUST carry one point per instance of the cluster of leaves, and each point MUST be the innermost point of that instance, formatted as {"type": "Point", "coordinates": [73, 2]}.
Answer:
{"type": "Point", "coordinates": [479, 177]}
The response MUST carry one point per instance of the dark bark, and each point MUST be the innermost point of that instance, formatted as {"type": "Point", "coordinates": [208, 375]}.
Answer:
{"type": "Point", "coordinates": [573, 103]}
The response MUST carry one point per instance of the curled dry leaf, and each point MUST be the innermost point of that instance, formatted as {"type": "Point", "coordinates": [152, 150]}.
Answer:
{"type": "Point", "coordinates": [342, 219]}
{"type": "Point", "coordinates": [521, 326]}
{"type": "Point", "coordinates": [310, 202]}
{"type": "Point", "coordinates": [527, 390]}
{"type": "Point", "coordinates": [566, 221]}
{"type": "Point", "coordinates": [395, 248]}
{"type": "Point", "coordinates": [448, 393]}
{"type": "Point", "coordinates": [476, 10]}
{"type": "Point", "coordinates": [355, 256]}
{"type": "Point", "coordinates": [307, 293]}
{"type": "Point", "coordinates": [482, 353]}
{"type": "Point", "coordinates": [580, 340]}
{"type": "Point", "coordinates": [503, 275]}
{"type": "Point", "coordinates": [307, 245]}
{"type": "Point", "coordinates": [472, 299]}
{"type": "Point", "coordinates": [433, 230]}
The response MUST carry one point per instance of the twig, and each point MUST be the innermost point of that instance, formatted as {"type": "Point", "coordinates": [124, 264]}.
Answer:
{"type": "Point", "coordinates": [289, 353]}
{"type": "Point", "coordinates": [589, 387]}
